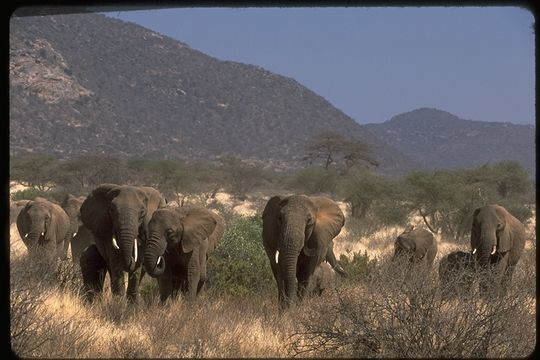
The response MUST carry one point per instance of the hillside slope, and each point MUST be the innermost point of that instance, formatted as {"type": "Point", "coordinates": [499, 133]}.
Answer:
{"type": "Point", "coordinates": [92, 84]}
{"type": "Point", "coordinates": [437, 139]}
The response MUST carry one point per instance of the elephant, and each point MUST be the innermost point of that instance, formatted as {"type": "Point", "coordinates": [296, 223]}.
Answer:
{"type": "Point", "coordinates": [44, 225]}
{"type": "Point", "coordinates": [456, 273]}
{"type": "Point", "coordinates": [15, 208]}
{"type": "Point", "coordinates": [117, 216]}
{"type": "Point", "coordinates": [418, 246]}
{"type": "Point", "coordinates": [497, 241]}
{"type": "Point", "coordinates": [298, 233]}
{"type": "Point", "coordinates": [79, 236]}
{"type": "Point", "coordinates": [324, 278]}
{"type": "Point", "coordinates": [179, 242]}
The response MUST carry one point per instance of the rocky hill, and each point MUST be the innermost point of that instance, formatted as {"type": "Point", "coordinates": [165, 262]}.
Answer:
{"type": "Point", "coordinates": [86, 83]}
{"type": "Point", "coordinates": [438, 140]}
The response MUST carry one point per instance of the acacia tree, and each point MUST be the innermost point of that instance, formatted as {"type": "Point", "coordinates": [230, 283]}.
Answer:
{"type": "Point", "coordinates": [330, 147]}
{"type": "Point", "coordinates": [81, 174]}
{"type": "Point", "coordinates": [241, 176]}
{"type": "Point", "coordinates": [33, 170]}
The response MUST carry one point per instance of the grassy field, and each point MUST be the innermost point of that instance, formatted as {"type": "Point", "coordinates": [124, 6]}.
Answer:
{"type": "Point", "coordinates": [382, 314]}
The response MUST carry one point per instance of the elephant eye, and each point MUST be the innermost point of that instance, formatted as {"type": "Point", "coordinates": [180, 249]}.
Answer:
{"type": "Point", "coordinates": [499, 226]}
{"type": "Point", "coordinates": [169, 232]}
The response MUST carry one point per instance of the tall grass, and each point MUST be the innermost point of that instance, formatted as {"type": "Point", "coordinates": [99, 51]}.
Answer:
{"type": "Point", "coordinates": [382, 312]}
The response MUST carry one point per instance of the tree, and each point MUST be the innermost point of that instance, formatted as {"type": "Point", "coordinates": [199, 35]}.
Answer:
{"type": "Point", "coordinates": [331, 147]}
{"type": "Point", "coordinates": [33, 170]}
{"type": "Point", "coordinates": [314, 180]}
{"type": "Point", "coordinates": [241, 176]}
{"type": "Point", "coordinates": [84, 173]}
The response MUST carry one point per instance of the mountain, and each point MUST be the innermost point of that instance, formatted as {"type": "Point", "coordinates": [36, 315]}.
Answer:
{"type": "Point", "coordinates": [87, 83]}
{"type": "Point", "coordinates": [439, 140]}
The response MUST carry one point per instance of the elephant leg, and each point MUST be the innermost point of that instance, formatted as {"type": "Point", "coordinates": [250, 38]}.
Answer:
{"type": "Point", "coordinates": [93, 268]}
{"type": "Point", "coordinates": [274, 266]}
{"type": "Point", "coordinates": [506, 271]}
{"type": "Point", "coordinates": [176, 286]}
{"type": "Point", "coordinates": [133, 285]}
{"type": "Point", "coordinates": [304, 271]}
{"type": "Point", "coordinates": [118, 286]}
{"type": "Point", "coordinates": [165, 283]}
{"type": "Point", "coordinates": [193, 276]}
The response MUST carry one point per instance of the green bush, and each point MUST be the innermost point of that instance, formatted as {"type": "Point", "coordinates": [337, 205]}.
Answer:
{"type": "Point", "coordinates": [28, 194]}
{"type": "Point", "coordinates": [239, 266]}
{"type": "Point", "coordinates": [358, 267]}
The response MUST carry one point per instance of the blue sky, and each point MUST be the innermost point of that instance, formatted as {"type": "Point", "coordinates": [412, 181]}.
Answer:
{"type": "Point", "coordinates": [374, 63]}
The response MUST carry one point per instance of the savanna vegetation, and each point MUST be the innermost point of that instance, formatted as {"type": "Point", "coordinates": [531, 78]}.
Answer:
{"type": "Point", "coordinates": [377, 311]}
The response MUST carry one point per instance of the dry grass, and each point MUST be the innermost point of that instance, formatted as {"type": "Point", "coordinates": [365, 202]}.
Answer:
{"type": "Point", "coordinates": [373, 318]}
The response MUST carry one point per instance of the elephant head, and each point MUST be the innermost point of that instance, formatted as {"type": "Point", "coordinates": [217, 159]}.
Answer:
{"type": "Point", "coordinates": [180, 231]}
{"type": "Point", "coordinates": [416, 245]}
{"type": "Point", "coordinates": [72, 207]}
{"type": "Point", "coordinates": [119, 214]}
{"type": "Point", "coordinates": [494, 231]}
{"type": "Point", "coordinates": [42, 223]}
{"type": "Point", "coordinates": [296, 225]}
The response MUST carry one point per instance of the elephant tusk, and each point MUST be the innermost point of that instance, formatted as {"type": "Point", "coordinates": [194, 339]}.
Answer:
{"type": "Point", "coordinates": [42, 234]}
{"type": "Point", "coordinates": [75, 233]}
{"type": "Point", "coordinates": [115, 244]}
{"type": "Point", "coordinates": [159, 260]}
{"type": "Point", "coordinates": [26, 235]}
{"type": "Point", "coordinates": [135, 250]}
{"type": "Point", "coordinates": [277, 256]}
{"type": "Point", "coordinates": [474, 251]}
{"type": "Point", "coordinates": [494, 249]}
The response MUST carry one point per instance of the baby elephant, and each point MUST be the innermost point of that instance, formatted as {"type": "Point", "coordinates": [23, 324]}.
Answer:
{"type": "Point", "coordinates": [179, 241]}
{"type": "Point", "coordinates": [456, 273]}
{"type": "Point", "coordinates": [323, 278]}
{"type": "Point", "coordinates": [416, 245]}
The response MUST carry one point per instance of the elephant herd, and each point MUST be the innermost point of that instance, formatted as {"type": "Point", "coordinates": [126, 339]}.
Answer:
{"type": "Point", "coordinates": [122, 229]}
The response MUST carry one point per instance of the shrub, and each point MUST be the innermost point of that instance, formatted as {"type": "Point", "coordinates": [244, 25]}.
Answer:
{"type": "Point", "coordinates": [28, 194]}
{"type": "Point", "coordinates": [399, 314]}
{"type": "Point", "coordinates": [239, 266]}
{"type": "Point", "coordinates": [358, 266]}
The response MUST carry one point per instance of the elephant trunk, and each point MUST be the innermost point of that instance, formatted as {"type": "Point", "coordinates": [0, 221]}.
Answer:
{"type": "Point", "coordinates": [128, 230]}
{"type": "Point", "coordinates": [487, 246]}
{"type": "Point", "coordinates": [293, 241]}
{"type": "Point", "coordinates": [154, 262]}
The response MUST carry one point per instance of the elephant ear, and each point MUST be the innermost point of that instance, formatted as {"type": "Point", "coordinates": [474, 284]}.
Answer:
{"type": "Point", "coordinates": [329, 220]}
{"type": "Point", "coordinates": [95, 210]}
{"type": "Point", "coordinates": [270, 215]}
{"type": "Point", "coordinates": [196, 226]}
{"type": "Point", "coordinates": [217, 234]}
{"type": "Point", "coordinates": [475, 231]}
{"type": "Point", "coordinates": [59, 223]}
{"type": "Point", "coordinates": [22, 219]}
{"type": "Point", "coordinates": [509, 232]}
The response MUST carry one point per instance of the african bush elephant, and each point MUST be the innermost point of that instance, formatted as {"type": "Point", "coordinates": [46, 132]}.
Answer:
{"type": "Point", "coordinates": [418, 246]}
{"type": "Point", "coordinates": [297, 236]}
{"type": "Point", "coordinates": [117, 216]}
{"type": "Point", "coordinates": [79, 236]}
{"type": "Point", "coordinates": [179, 242]}
{"type": "Point", "coordinates": [456, 273]}
{"type": "Point", "coordinates": [15, 208]}
{"type": "Point", "coordinates": [324, 278]}
{"type": "Point", "coordinates": [43, 224]}
{"type": "Point", "coordinates": [497, 240]}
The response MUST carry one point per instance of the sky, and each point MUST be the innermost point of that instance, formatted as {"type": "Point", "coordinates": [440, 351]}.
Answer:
{"type": "Point", "coordinates": [375, 63]}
